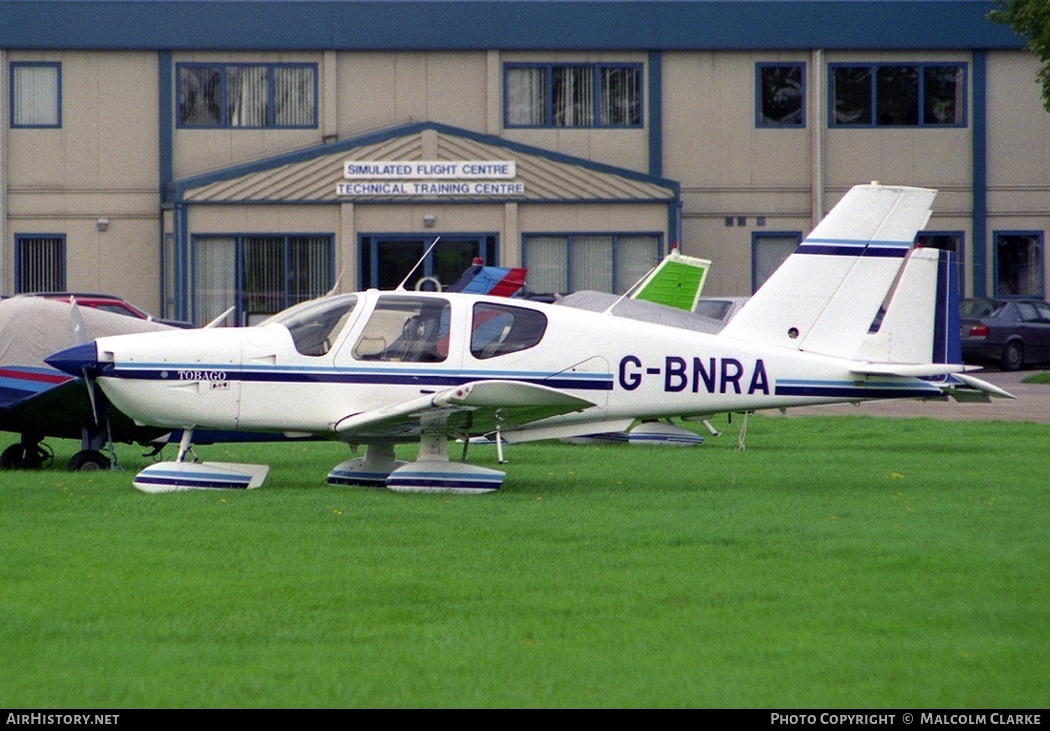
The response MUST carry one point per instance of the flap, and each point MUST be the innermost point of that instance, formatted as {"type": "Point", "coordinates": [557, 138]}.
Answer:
{"type": "Point", "coordinates": [471, 409]}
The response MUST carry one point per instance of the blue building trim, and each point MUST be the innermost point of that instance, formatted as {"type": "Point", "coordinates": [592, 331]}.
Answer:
{"type": "Point", "coordinates": [674, 222]}
{"type": "Point", "coordinates": [979, 135]}
{"type": "Point", "coordinates": [181, 263]}
{"type": "Point", "coordinates": [481, 24]}
{"type": "Point", "coordinates": [656, 114]}
{"type": "Point", "coordinates": [166, 123]}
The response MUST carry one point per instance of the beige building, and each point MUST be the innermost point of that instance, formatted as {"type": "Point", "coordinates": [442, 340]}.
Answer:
{"type": "Point", "coordinates": [196, 156]}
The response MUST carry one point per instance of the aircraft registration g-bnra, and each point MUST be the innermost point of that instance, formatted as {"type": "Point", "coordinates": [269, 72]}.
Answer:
{"type": "Point", "coordinates": [855, 313]}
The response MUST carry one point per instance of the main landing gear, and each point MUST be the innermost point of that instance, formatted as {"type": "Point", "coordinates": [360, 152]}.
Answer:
{"type": "Point", "coordinates": [28, 454]}
{"type": "Point", "coordinates": [431, 472]}
{"type": "Point", "coordinates": [32, 454]}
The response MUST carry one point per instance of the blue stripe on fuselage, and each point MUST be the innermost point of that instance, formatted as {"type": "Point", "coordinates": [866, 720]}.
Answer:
{"type": "Point", "coordinates": [849, 389]}
{"type": "Point", "coordinates": [372, 376]}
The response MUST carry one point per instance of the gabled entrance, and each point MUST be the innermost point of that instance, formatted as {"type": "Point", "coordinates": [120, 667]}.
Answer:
{"type": "Point", "coordinates": [379, 200]}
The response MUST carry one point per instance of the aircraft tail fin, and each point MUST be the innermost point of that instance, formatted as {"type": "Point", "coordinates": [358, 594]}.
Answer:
{"type": "Point", "coordinates": [676, 281]}
{"type": "Point", "coordinates": [826, 295]}
{"type": "Point", "coordinates": [490, 280]}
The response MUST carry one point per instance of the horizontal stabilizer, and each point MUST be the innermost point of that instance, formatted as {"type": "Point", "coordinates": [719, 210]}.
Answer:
{"type": "Point", "coordinates": [980, 385]}
{"type": "Point", "coordinates": [920, 322]}
{"type": "Point", "coordinates": [914, 370]}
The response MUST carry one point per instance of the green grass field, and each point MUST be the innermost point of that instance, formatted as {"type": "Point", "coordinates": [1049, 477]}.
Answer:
{"type": "Point", "coordinates": [837, 562]}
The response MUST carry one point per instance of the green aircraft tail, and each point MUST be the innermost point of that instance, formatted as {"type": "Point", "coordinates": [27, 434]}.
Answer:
{"type": "Point", "coordinates": [676, 282]}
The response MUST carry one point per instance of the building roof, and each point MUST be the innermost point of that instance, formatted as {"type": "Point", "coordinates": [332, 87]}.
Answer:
{"type": "Point", "coordinates": [502, 24]}
{"type": "Point", "coordinates": [311, 175]}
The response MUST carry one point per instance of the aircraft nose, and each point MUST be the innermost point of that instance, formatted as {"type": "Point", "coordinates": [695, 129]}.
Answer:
{"type": "Point", "coordinates": [74, 360]}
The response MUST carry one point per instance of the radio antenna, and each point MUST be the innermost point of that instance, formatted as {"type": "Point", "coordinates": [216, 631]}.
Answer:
{"type": "Point", "coordinates": [411, 271]}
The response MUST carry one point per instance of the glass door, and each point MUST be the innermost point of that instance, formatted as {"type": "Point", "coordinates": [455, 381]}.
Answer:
{"type": "Point", "coordinates": [387, 259]}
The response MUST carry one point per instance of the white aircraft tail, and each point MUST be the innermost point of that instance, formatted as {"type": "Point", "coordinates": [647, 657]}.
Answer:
{"type": "Point", "coordinates": [921, 320]}
{"type": "Point", "coordinates": [826, 296]}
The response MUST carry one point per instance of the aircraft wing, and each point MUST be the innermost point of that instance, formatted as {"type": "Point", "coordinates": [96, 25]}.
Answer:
{"type": "Point", "coordinates": [475, 408]}
{"type": "Point", "coordinates": [62, 410]}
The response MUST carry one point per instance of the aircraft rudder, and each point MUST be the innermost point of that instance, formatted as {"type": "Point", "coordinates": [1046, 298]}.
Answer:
{"type": "Point", "coordinates": [920, 323]}
{"type": "Point", "coordinates": [947, 337]}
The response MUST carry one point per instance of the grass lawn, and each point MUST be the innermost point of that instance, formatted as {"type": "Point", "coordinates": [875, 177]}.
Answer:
{"type": "Point", "coordinates": [837, 562]}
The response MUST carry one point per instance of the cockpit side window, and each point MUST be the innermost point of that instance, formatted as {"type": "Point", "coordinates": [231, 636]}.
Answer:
{"type": "Point", "coordinates": [501, 329]}
{"type": "Point", "coordinates": [406, 329]}
{"type": "Point", "coordinates": [314, 325]}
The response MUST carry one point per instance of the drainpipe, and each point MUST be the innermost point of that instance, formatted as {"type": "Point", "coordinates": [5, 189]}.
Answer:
{"type": "Point", "coordinates": [5, 252]}
{"type": "Point", "coordinates": [818, 124]}
{"type": "Point", "coordinates": [980, 175]}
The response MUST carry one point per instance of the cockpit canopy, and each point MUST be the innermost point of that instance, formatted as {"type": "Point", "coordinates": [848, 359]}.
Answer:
{"type": "Point", "coordinates": [411, 328]}
{"type": "Point", "coordinates": [406, 329]}
{"type": "Point", "coordinates": [315, 324]}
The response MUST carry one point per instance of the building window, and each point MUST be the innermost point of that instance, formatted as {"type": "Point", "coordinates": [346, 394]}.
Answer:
{"type": "Point", "coordinates": [258, 275]}
{"type": "Point", "coordinates": [247, 96]}
{"type": "Point", "coordinates": [387, 259]}
{"type": "Point", "coordinates": [949, 241]}
{"type": "Point", "coordinates": [780, 95]}
{"type": "Point", "coordinates": [36, 95]}
{"type": "Point", "coordinates": [898, 95]}
{"type": "Point", "coordinates": [1019, 264]}
{"type": "Point", "coordinates": [40, 263]}
{"type": "Point", "coordinates": [768, 252]}
{"type": "Point", "coordinates": [559, 264]}
{"type": "Point", "coordinates": [583, 95]}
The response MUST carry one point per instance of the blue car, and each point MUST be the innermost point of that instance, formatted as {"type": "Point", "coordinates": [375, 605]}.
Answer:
{"type": "Point", "coordinates": [1011, 332]}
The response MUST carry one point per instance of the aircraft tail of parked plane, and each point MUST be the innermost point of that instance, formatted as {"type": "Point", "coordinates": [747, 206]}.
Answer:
{"type": "Point", "coordinates": [824, 298]}
{"type": "Point", "coordinates": [676, 281]}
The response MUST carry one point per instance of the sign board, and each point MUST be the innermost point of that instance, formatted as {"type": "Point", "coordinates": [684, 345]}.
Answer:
{"type": "Point", "coordinates": [429, 188]}
{"type": "Point", "coordinates": [430, 178]}
{"type": "Point", "coordinates": [430, 170]}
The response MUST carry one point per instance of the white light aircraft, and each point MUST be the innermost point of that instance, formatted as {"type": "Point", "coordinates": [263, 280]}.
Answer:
{"type": "Point", "coordinates": [856, 313]}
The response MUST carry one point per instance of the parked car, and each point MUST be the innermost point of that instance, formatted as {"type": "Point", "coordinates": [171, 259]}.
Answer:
{"type": "Point", "coordinates": [107, 303]}
{"type": "Point", "coordinates": [1012, 332]}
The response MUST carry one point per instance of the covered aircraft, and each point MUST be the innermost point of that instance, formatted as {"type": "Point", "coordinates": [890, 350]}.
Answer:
{"type": "Point", "coordinates": [37, 401]}
{"type": "Point", "coordinates": [382, 368]}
